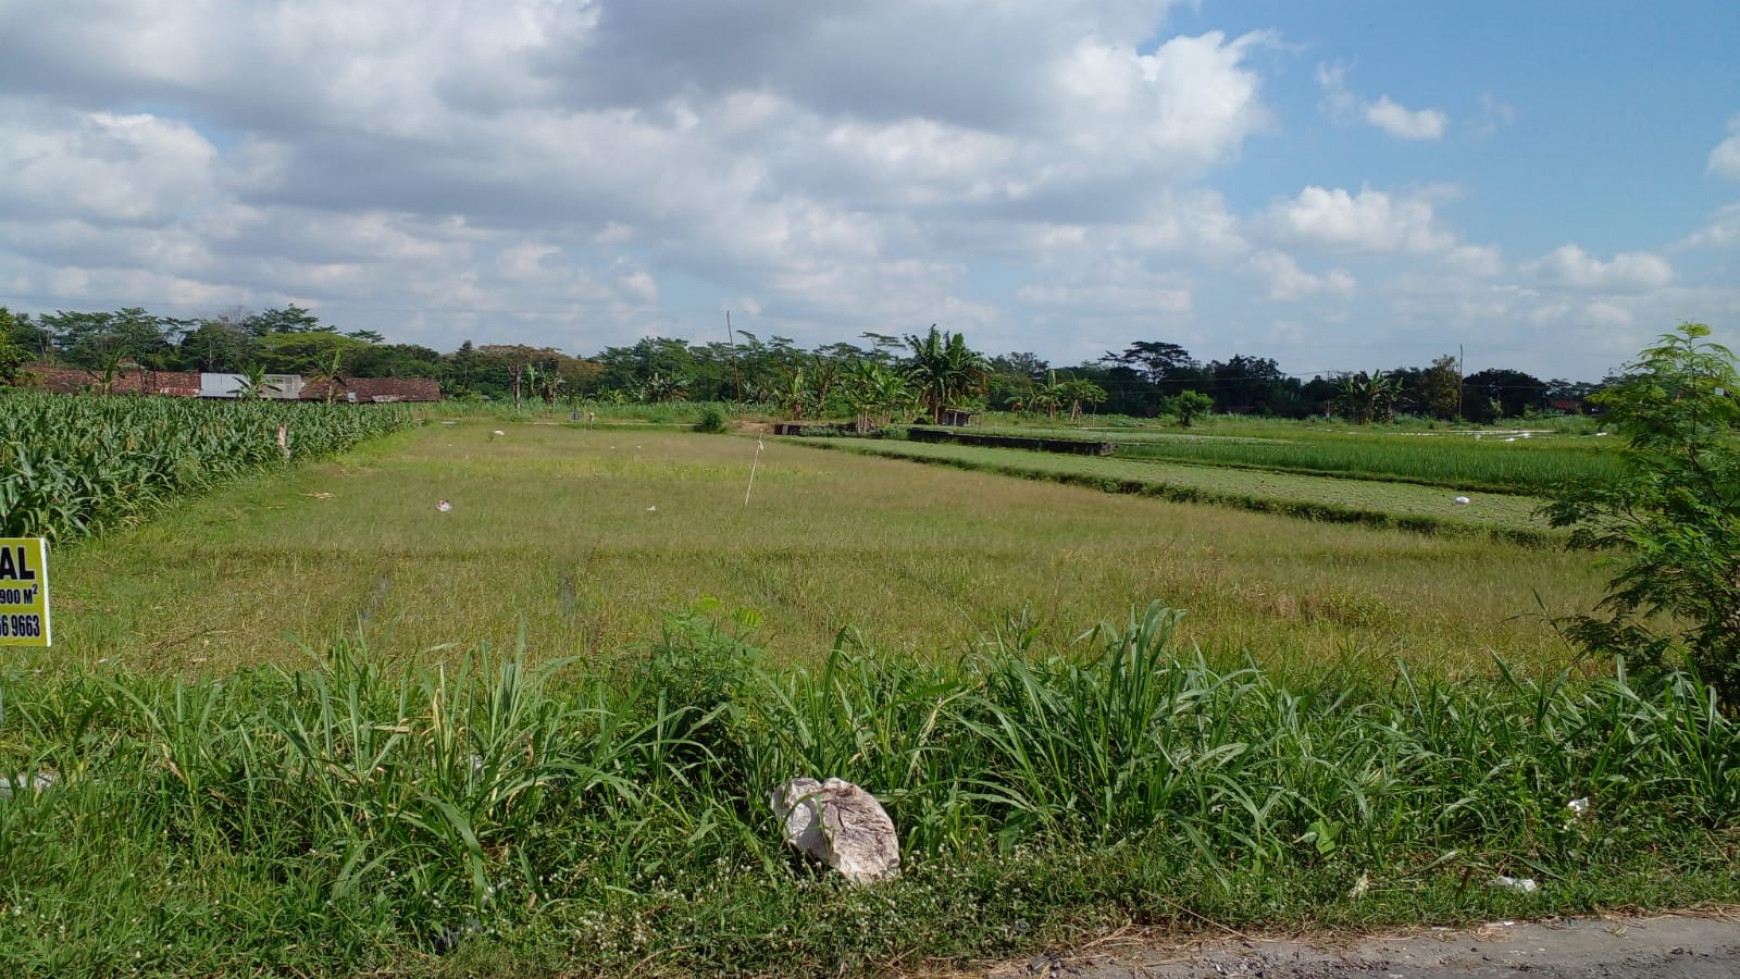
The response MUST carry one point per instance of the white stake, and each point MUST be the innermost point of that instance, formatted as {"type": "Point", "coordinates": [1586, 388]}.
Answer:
{"type": "Point", "coordinates": [752, 465]}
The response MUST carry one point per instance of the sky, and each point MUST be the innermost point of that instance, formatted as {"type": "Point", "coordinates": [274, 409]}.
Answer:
{"type": "Point", "coordinates": [1339, 185]}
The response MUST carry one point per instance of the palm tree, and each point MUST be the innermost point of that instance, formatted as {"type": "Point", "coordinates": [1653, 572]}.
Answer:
{"type": "Point", "coordinates": [942, 369]}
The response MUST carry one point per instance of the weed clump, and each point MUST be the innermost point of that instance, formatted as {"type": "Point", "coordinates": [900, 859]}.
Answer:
{"type": "Point", "coordinates": [712, 421]}
{"type": "Point", "coordinates": [358, 817]}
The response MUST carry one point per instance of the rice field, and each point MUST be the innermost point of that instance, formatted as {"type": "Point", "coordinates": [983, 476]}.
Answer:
{"type": "Point", "coordinates": [584, 540]}
{"type": "Point", "coordinates": [1496, 461]}
{"type": "Point", "coordinates": [1367, 501]}
{"type": "Point", "coordinates": [315, 722]}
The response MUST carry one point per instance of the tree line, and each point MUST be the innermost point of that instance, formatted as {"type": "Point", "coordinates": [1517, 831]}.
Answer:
{"type": "Point", "coordinates": [879, 378]}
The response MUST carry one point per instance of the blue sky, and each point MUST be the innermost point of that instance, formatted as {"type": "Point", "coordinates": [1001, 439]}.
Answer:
{"type": "Point", "coordinates": [1337, 185]}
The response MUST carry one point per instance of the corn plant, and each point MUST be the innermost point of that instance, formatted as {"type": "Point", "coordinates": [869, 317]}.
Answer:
{"type": "Point", "coordinates": [72, 465]}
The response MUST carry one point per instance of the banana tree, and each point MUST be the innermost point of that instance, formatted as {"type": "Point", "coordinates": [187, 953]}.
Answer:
{"type": "Point", "coordinates": [942, 369]}
{"type": "Point", "coordinates": [329, 373]}
{"type": "Point", "coordinates": [1368, 397]}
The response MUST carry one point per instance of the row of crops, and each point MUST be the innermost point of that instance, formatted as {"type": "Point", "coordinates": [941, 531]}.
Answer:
{"type": "Point", "coordinates": [1499, 462]}
{"type": "Point", "coordinates": [71, 466]}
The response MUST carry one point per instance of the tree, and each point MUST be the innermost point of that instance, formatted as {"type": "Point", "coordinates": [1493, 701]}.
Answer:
{"type": "Point", "coordinates": [290, 319]}
{"type": "Point", "coordinates": [1500, 393]}
{"type": "Point", "coordinates": [254, 385]}
{"type": "Point", "coordinates": [875, 393]}
{"type": "Point", "coordinates": [1187, 406]}
{"type": "Point", "coordinates": [515, 359]}
{"type": "Point", "coordinates": [942, 369]}
{"type": "Point", "coordinates": [329, 372]}
{"type": "Point", "coordinates": [13, 356]}
{"type": "Point", "coordinates": [221, 345]}
{"type": "Point", "coordinates": [1673, 516]}
{"type": "Point", "coordinates": [1366, 398]}
{"type": "Point", "coordinates": [1154, 361]}
{"type": "Point", "coordinates": [1077, 392]}
{"type": "Point", "coordinates": [1248, 383]}
{"type": "Point", "coordinates": [1441, 388]}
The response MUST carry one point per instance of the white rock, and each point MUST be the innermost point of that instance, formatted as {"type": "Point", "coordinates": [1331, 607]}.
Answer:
{"type": "Point", "coordinates": [841, 825]}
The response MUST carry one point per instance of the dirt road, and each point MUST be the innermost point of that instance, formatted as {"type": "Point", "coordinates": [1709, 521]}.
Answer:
{"type": "Point", "coordinates": [1673, 947]}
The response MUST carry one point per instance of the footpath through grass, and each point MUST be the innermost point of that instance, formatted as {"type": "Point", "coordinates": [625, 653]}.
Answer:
{"type": "Point", "coordinates": [610, 818]}
{"type": "Point", "coordinates": [583, 537]}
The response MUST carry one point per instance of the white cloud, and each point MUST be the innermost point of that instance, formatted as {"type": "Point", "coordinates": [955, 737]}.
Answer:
{"type": "Point", "coordinates": [1119, 287]}
{"type": "Point", "coordinates": [1342, 105]}
{"type": "Point", "coordinates": [1722, 230]}
{"type": "Point", "coordinates": [1481, 261]}
{"type": "Point", "coordinates": [585, 172]}
{"type": "Point", "coordinates": [1603, 313]}
{"type": "Point", "coordinates": [1495, 114]}
{"type": "Point", "coordinates": [1285, 281]}
{"type": "Point", "coordinates": [1725, 158]}
{"type": "Point", "coordinates": [1370, 221]}
{"type": "Point", "coordinates": [1403, 123]}
{"type": "Point", "coordinates": [103, 166]}
{"type": "Point", "coordinates": [1187, 106]}
{"type": "Point", "coordinates": [1571, 267]}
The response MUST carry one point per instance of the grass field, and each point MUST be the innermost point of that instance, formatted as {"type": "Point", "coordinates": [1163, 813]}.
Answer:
{"type": "Point", "coordinates": [1367, 501]}
{"type": "Point", "coordinates": [1494, 461]}
{"type": "Point", "coordinates": [270, 744]}
{"type": "Point", "coordinates": [552, 528]}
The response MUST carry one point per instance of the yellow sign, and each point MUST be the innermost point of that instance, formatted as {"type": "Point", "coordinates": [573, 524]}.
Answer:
{"type": "Point", "coordinates": [24, 592]}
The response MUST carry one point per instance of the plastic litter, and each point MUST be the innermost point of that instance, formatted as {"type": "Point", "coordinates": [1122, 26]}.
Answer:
{"type": "Point", "coordinates": [1521, 885]}
{"type": "Point", "coordinates": [11, 785]}
{"type": "Point", "coordinates": [444, 506]}
{"type": "Point", "coordinates": [1460, 501]}
{"type": "Point", "coordinates": [652, 509]}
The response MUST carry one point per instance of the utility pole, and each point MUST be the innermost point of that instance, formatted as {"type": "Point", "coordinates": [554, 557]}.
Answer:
{"type": "Point", "coordinates": [1461, 365]}
{"type": "Point", "coordinates": [731, 341]}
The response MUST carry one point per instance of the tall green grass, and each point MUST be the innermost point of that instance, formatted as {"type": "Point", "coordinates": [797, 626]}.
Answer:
{"type": "Point", "coordinates": [353, 818]}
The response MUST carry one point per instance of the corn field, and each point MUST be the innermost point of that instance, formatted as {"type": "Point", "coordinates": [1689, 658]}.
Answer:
{"type": "Point", "coordinates": [71, 466]}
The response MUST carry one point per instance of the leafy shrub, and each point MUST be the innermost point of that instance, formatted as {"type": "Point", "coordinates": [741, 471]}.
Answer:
{"type": "Point", "coordinates": [712, 421]}
{"type": "Point", "coordinates": [1673, 515]}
